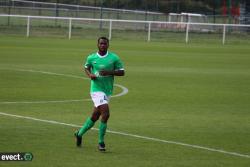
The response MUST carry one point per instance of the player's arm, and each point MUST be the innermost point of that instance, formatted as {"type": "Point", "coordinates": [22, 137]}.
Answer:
{"type": "Point", "coordinates": [87, 70]}
{"type": "Point", "coordinates": [119, 72]}
{"type": "Point", "coordinates": [118, 69]}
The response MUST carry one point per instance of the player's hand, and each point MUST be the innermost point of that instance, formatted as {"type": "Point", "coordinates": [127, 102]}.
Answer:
{"type": "Point", "coordinates": [92, 76]}
{"type": "Point", "coordinates": [105, 73]}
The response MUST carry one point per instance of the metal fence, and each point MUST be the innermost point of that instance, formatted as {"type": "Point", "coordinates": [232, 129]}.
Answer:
{"type": "Point", "coordinates": [34, 8]}
{"type": "Point", "coordinates": [69, 27]}
{"type": "Point", "coordinates": [65, 10]}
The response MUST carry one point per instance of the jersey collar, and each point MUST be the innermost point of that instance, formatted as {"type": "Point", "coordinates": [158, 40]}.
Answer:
{"type": "Point", "coordinates": [103, 55]}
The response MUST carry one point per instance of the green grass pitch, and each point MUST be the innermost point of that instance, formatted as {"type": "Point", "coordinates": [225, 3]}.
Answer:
{"type": "Point", "coordinates": [195, 94]}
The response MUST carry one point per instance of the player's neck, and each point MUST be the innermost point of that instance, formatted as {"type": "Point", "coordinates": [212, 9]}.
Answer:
{"type": "Point", "coordinates": [102, 53]}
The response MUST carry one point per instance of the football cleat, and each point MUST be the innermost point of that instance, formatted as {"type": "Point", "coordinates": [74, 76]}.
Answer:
{"type": "Point", "coordinates": [78, 139]}
{"type": "Point", "coordinates": [101, 147]}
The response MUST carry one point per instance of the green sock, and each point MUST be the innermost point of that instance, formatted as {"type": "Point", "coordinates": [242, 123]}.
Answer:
{"type": "Point", "coordinates": [102, 131]}
{"type": "Point", "coordinates": [86, 126]}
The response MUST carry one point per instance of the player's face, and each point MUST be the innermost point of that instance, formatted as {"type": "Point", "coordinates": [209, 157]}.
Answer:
{"type": "Point", "coordinates": [103, 45]}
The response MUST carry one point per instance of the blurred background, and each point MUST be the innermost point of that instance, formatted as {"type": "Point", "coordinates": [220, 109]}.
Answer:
{"type": "Point", "coordinates": [213, 11]}
{"type": "Point", "coordinates": [155, 20]}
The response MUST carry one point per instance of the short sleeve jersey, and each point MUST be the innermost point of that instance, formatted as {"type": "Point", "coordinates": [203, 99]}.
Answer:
{"type": "Point", "coordinates": [96, 62]}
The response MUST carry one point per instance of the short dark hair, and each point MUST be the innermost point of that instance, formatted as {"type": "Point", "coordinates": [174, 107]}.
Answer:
{"type": "Point", "coordinates": [105, 38]}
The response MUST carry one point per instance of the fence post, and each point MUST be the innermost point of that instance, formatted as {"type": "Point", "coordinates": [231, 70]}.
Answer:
{"type": "Point", "coordinates": [28, 27]}
{"type": "Point", "coordinates": [70, 27]}
{"type": "Point", "coordinates": [149, 31]}
{"type": "Point", "coordinates": [187, 31]}
{"type": "Point", "coordinates": [9, 12]}
{"type": "Point", "coordinates": [110, 29]}
{"type": "Point", "coordinates": [101, 15]}
{"type": "Point", "coordinates": [224, 34]}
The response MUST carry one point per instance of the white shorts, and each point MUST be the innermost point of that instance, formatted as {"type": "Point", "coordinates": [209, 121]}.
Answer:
{"type": "Point", "coordinates": [99, 98]}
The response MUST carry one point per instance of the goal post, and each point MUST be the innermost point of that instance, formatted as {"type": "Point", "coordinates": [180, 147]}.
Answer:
{"type": "Point", "coordinates": [187, 18]}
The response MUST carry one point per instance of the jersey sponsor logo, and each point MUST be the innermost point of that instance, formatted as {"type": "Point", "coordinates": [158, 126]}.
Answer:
{"type": "Point", "coordinates": [101, 66]}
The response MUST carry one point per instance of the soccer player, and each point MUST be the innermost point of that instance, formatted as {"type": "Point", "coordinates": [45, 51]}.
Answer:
{"type": "Point", "coordinates": [100, 67]}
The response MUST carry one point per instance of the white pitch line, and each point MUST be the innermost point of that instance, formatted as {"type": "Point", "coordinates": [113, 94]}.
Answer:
{"type": "Point", "coordinates": [124, 89]}
{"type": "Point", "coordinates": [49, 73]}
{"type": "Point", "coordinates": [42, 102]}
{"type": "Point", "coordinates": [133, 135]}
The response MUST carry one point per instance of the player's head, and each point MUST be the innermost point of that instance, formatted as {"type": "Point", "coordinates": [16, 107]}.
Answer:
{"type": "Point", "coordinates": [103, 44]}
